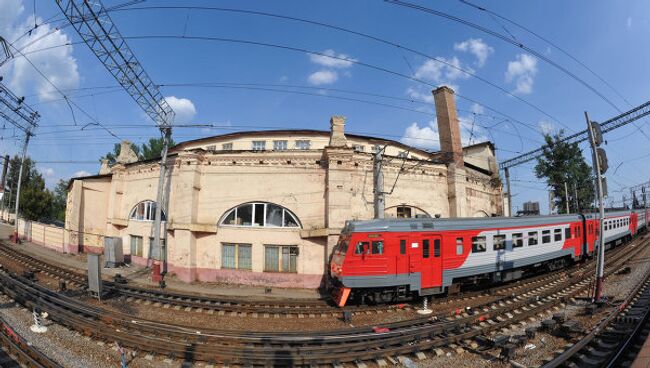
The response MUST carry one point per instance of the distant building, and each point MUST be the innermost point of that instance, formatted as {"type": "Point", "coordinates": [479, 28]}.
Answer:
{"type": "Point", "coordinates": [530, 209]}
{"type": "Point", "coordinates": [267, 207]}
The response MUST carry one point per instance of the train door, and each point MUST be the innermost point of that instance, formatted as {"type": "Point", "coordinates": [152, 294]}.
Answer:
{"type": "Point", "coordinates": [401, 256]}
{"type": "Point", "coordinates": [431, 261]}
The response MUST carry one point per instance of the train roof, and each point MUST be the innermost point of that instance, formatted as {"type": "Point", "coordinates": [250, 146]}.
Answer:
{"type": "Point", "coordinates": [428, 224]}
{"type": "Point", "coordinates": [468, 223]}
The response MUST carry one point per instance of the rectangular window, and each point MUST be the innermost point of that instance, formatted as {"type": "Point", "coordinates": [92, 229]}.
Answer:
{"type": "Point", "coordinates": [259, 145]}
{"type": "Point", "coordinates": [358, 148]}
{"type": "Point", "coordinates": [280, 145]}
{"type": "Point", "coordinates": [436, 247]}
{"type": "Point", "coordinates": [280, 258]}
{"type": "Point", "coordinates": [478, 244]}
{"type": "Point", "coordinates": [303, 144]}
{"type": "Point", "coordinates": [226, 147]}
{"type": "Point", "coordinates": [533, 237]}
{"type": "Point", "coordinates": [557, 235]}
{"type": "Point", "coordinates": [403, 212]}
{"type": "Point", "coordinates": [499, 242]}
{"type": "Point", "coordinates": [426, 248]}
{"type": "Point", "coordinates": [361, 246]}
{"type": "Point", "coordinates": [403, 154]}
{"type": "Point", "coordinates": [378, 247]}
{"type": "Point", "coordinates": [517, 240]}
{"type": "Point", "coordinates": [402, 246]}
{"type": "Point", "coordinates": [211, 148]}
{"type": "Point", "coordinates": [546, 236]}
{"type": "Point", "coordinates": [459, 247]}
{"type": "Point", "coordinates": [567, 233]}
{"type": "Point", "coordinates": [236, 256]}
{"type": "Point", "coordinates": [258, 214]}
{"type": "Point", "coordinates": [136, 245]}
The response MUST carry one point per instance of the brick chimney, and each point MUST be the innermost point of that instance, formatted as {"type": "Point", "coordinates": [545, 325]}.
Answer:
{"type": "Point", "coordinates": [337, 132]}
{"type": "Point", "coordinates": [448, 128]}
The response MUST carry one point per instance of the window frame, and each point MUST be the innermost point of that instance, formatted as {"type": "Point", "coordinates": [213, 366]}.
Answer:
{"type": "Point", "coordinates": [149, 210]}
{"type": "Point", "coordinates": [226, 147]}
{"type": "Point", "coordinates": [255, 145]}
{"type": "Point", "coordinates": [519, 242]}
{"type": "Point", "coordinates": [476, 242]}
{"type": "Point", "coordinates": [426, 248]}
{"type": "Point", "coordinates": [303, 144]}
{"type": "Point", "coordinates": [131, 239]}
{"type": "Point", "coordinates": [533, 238]}
{"type": "Point", "coordinates": [402, 246]}
{"type": "Point", "coordinates": [437, 248]}
{"type": "Point", "coordinates": [460, 245]}
{"type": "Point", "coordinates": [280, 145]}
{"type": "Point", "coordinates": [281, 255]}
{"type": "Point", "coordinates": [237, 247]}
{"type": "Point", "coordinates": [501, 242]}
{"type": "Point", "coordinates": [557, 235]}
{"type": "Point", "coordinates": [546, 236]}
{"type": "Point", "coordinates": [567, 233]}
{"type": "Point", "coordinates": [286, 215]}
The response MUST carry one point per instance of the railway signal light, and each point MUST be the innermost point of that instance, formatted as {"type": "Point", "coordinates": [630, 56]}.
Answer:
{"type": "Point", "coordinates": [602, 160]}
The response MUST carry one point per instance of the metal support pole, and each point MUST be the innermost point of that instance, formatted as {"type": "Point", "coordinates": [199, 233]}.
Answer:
{"type": "Point", "coordinates": [5, 167]}
{"type": "Point", "coordinates": [645, 212]}
{"type": "Point", "coordinates": [507, 173]}
{"type": "Point", "coordinates": [20, 178]}
{"type": "Point", "coordinates": [600, 262]}
{"type": "Point", "coordinates": [159, 250]}
{"type": "Point", "coordinates": [575, 191]}
{"type": "Point", "coordinates": [566, 198]}
{"type": "Point", "coordinates": [379, 195]}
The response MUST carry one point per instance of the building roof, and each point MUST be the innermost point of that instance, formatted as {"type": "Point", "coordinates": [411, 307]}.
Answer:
{"type": "Point", "coordinates": [313, 132]}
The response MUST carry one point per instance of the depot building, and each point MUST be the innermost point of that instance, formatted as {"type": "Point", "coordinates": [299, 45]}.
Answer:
{"type": "Point", "coordinates": [266, 207]}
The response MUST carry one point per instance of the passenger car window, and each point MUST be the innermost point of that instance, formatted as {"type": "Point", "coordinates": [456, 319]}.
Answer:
{"type": "Point", "coordinates": [557, 235]}
{"type": "Point", "coordinates": [546, 236]}
{"type": "Point", "coordinates": [567, 233]}
{"type": "Point", "coordinates": [532, 238]}
{"type": "Point", "coordinates": [459, 246]}
{"type": "Point", "coordinates": [360, 247]}
{"type": "Point", "coordinates": [517, 240]}
{"type": "Point", "coordinates": [499, 242]}
{"type": "Point", "coordinates": [402, 246]}
{"type": "Point", "coordinates": [478, 244]}
{"type": "Point", "coordinates": [425, 248]}
{"type": "Point", "coordinates": [436, 247]}
{"type": "Point", "coordinates": [378, 247]}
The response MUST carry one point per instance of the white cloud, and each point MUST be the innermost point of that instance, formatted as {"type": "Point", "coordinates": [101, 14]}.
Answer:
{"type": "Point", "coordinates": [48, 171]}
{"type": "Point", "coordinates": [546, 127]}
{"type": "Point", "coordinates": [477, 109]}
{"type": "Point", "coordinates": [183, 108]}
{"type": "Point", "coordinates": [418, 95]}
{"type": "Point", "coordinates": [425, 137]}
{"type": "Point", "coordinates": [442, 72]}
{"type": "Point", "coordinates": [57, 63]}
{"type": "Point", "coordinates": [331, 60]}
{"type": "Point", "coordinates": [323, 77]}
{"type": "Point", "coordinates": [81, 173]}
{"type": "Point", "coordinates": [477, 47]}
{"type": "Point", "coordinates": [522, 72]}
{"type": "Point", "coordinates": [629, 22]}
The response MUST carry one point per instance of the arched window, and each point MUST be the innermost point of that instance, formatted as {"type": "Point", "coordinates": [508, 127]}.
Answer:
{"type": "Point", "coordinates": [260, 214]}
{"type": "Point", "coordinates": [405, 211]}
{"type": "Point", "coordinates": [145, 211]}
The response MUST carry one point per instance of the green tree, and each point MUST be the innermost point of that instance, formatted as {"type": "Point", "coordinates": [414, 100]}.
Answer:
{"type": "Point", "coordinates": [563, 162]}
{"type": "Point", "coordinates": [112, 156]}
{"type": "Point", "coordinates": [153, 149]}
{"type": "Point", "coordinates": [35, 199]}
{"type": "Point", "coordinates": [59, 200]}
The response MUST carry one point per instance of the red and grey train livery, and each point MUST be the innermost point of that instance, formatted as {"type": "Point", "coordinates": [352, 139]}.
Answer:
{"type": "Point", "coordinates": [387, 259]}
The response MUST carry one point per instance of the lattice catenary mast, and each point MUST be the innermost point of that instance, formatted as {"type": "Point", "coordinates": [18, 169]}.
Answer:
{"type": "Point", "coordinates": [93, 24]}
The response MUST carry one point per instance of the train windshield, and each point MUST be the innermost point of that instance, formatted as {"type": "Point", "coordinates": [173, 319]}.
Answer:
{"type": "Point", "coordinates": [342, 245]}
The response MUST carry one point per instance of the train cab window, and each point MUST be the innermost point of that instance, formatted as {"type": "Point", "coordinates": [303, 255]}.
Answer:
{"type": "Point", "coordinates": [546, 236]}
{"type": "Point", "coordinates": [557, 235]}
{"type": "Point", "coordinates": [378, 247]}
{"type": "Point", "coordinates": [517, 240]}
{"type": "Point", "coordinates": [567, 233]}
{"type": "Point", "coordinates": [478, 244]}
{"type": "Point", "coordinates": [499, 242]}
{"type": "Point", "coordinates": [361, 246]}
{"type": "Point", "coordinates": [459, 247]}
{"type": "Point", "coordinates": [426, 248]}
{"type": "Point", "coordinates": [402, 246]}
{"type": "Point", "coordinates": [533, 238]}
{"type": "Point", "coordinates": [436, 247]}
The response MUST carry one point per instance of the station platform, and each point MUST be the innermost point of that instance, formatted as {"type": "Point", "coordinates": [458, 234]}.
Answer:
{"type": "Point", "coordinates": [141, 276]}
{"type": "Point", "coordinates": [642, 359]}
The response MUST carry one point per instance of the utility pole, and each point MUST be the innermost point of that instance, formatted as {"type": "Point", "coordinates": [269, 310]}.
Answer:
{"type": "Point", "coordinates": [566, 198]}
{"type": "Point", "coordinates": [379, 195]}
{"type": "Point", "coordinates": [18, 183]}
{"type": "Point", "coordinates": [600, 166]}
{"type": "Point", "coordinates": [507, 173]}
{"type": "Point", "coordinates": [160, 248]}
{"type": "Point", "coordinates": [3, 183]}
{"type": "Point", "coordinates": [575, 191]}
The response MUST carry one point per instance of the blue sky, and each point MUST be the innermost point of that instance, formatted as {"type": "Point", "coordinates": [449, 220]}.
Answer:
{"type": "Point", "coordinates": [252, 84]}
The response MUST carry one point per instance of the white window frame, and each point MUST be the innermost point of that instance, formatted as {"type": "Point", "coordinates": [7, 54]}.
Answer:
{"type": "Point", "coordinates": [255, 145]}
{"type": "Point", "coordinates": [280, 145]}
{"type": "Point", "coordinates": [226, 147]}
{"type": "Point", "coordinates": [303, 144]}
{"type": "Point", "coordinates": [358, 147]}
{"type": "Point", "coordinates": [285, 212]}
{"type": "Point", "coordinates": [149, 212]}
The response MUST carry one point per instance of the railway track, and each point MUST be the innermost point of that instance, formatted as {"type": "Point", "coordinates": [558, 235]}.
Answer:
{"type": "Point", "coordinates": [260, 308]}
{"type": "Point", "coordinates": [16, 352]}
{"type": "Point", "coordinates": [616, 339]}
{"type": "Point", "coordinates": [415, 336]}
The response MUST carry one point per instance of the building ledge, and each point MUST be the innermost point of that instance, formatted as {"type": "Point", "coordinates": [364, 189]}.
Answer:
{"type": "Point", "coordinates": [119, 222]}
{"type": "Point", "coordinates": [194, 227]}
{"type": "Point", "coordinates": [319, 233]}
